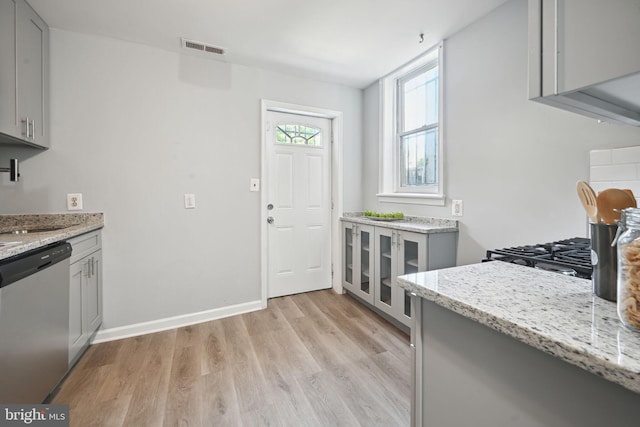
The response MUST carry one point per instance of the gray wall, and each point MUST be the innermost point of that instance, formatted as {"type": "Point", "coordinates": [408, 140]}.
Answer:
{"type": "Point", "coordinates": [133, 129]}
{"type": "Point", "coordinates": [513, 162]}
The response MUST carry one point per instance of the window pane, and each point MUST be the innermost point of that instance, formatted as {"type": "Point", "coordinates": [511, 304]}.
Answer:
{"type": "Point", "coordinates": [420, 100]}
{"type": "Point", "coordinates": [298, 134]}
{"type": "Point", "coordinates": [419, 158]}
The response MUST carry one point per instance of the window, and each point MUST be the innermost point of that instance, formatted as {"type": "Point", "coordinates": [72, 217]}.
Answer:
{"type": "Point", "coordinates": [411, 153]}
{"type": "Point", "coordinates": [298, 134]}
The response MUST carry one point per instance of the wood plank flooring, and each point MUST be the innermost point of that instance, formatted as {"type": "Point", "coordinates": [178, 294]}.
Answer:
{"type": "Point", "coordinates": [314, 359]}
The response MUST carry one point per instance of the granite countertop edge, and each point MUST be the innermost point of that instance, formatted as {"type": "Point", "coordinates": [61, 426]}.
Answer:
{"type": "Point", "coordinates": [74, 225]}
{"type": "Point", "coordinates": [424, 225]}
{"type": "Point", "coordinates": [597, 364]}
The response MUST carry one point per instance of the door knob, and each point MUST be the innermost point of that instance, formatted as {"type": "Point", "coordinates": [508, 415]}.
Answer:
{"type": "Point", "coordinates": [270, 219]}
{"type": "Point", "coordinates": [269, 206]}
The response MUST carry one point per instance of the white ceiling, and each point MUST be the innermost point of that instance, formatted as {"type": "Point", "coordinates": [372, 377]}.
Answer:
{"type": "Point", "coordinates": [353, 42]}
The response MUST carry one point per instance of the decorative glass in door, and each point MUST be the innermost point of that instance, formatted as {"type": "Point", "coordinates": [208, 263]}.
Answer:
{"type": "Point", "coordinates": [298, 134]}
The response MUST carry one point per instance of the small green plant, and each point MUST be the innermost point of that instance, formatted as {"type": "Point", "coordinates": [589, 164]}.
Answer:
{"type": "Point", "coordinates": [374, 214]}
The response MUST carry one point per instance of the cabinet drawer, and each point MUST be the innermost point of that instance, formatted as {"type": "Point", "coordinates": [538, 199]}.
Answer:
{"type": "Point", "coordinates": [85, 244]}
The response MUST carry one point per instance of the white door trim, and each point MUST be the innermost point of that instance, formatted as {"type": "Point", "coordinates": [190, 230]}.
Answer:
{"type": "Point", "coordinates": [336, 185]}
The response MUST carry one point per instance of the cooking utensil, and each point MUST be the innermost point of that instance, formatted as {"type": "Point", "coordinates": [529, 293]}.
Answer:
{"type": "Point", "coordinates": [610, 202]}
{"type": "Point", "coordinates": [588, 199]}
{"type": "Point", "coordinates": [629, 192]}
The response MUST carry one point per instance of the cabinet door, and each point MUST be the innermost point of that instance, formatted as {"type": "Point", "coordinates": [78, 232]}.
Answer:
{"type": "Point", "coordinates": [358, 259]}
{"type": "Point", "coordinates": [77, 326]}
{"type": "Point", "coordinates": [33, 75]}
{"type": "Point", "coordinates": [366, 262]}
{"type": "Point", "coordinates": [596, 41]}
{"type": "Point", "coordinates": [9, 123]}
{"type": "Point", "coordinates": [94, 293]}
{"type": "Point", "coordinates": [349, 254]}
{"type": "Point", "coordinates": [385, 270]}
{"type": "Point", "coordinates": [411, 258]}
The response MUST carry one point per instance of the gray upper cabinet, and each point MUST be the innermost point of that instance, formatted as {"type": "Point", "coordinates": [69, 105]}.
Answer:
{"type": "Point", "coordinates": [8, 103]}
{"type": "Point", "coordinates": [24, 75]}
{"type": "Point", "coordinates": [583, 57]}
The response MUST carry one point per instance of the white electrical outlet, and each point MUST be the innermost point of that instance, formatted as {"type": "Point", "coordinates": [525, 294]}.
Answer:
{"type": "Point", "coordinates": [189, 201]}
{"type": "Point", "coordinates": [456, 207]}
{"type": "Point", "coordinates": [254, 184]}
{"type": "Point", "coordinates": [74, 202]}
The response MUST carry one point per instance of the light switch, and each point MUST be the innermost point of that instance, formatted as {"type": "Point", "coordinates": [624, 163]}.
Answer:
{"type": "Point", "coordinates": [189, 201]}
{"type": "Point", "coordinates": [456, 207]}
{"type": "Point", "coordinates": [254, 184]}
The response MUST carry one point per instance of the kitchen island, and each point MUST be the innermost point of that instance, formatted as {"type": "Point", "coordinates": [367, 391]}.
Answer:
{"type": "Point", "coordinates": [499, 344]}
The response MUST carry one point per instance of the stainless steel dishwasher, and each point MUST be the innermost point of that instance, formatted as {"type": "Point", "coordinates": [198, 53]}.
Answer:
{"type": "Point", "coordinates": [34, 323]}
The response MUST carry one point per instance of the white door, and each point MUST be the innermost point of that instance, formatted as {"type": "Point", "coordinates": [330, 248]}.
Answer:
{"type": "Point", "coordinates": [299, 203]}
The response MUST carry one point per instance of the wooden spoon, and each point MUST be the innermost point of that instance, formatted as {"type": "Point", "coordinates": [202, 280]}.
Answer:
{"type": "Point", "coordinates": [610, 202]}
{"type": "Point", "coordinates": [588, 199]}
{"type": "Point", "coordinates": [633, 198]}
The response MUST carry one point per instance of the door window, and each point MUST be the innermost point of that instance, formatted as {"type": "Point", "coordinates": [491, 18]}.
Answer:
{"type": "Point", "coordinates": [298, 134]}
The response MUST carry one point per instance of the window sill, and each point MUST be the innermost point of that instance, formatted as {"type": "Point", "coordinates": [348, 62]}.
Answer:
{"type": "Point", "coordinates": [412, 198]}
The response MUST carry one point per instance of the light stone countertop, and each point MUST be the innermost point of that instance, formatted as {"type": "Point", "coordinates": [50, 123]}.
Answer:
{"type": "Point", "coordinates": [416, 224]}
{"type": "Point", "coordinates": [556, 314]}
{"type": "Point", "coordinates": [74, 224]}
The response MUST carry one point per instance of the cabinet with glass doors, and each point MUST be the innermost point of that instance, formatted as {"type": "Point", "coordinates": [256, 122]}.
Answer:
{"type": "Point", "coordinates": [374, 256]}
{"type": "Point", "coordinates": [400, 252]}
{"type": "Point", "coordinates": [358, 259]}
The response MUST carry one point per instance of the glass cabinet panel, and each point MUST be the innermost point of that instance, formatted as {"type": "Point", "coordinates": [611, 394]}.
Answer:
{"type": "Point", "coordinates": [365, 248]}
{"type": "Point", "coordinates": [348, 255]}
{"type": "Point", "coordinates": [411, 265]}
{"type": "Point", "coordinates": [385, 276]}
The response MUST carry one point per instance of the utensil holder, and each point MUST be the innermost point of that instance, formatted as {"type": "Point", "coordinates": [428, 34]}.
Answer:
{"type": "Point", "coordinates": [604, 259]}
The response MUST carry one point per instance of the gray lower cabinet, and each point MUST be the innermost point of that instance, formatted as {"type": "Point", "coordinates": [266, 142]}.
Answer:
{"type": "Point", "coordinates": [85, 296]}
{"type": "Point", "coordinates": [374, 256]}
{"type": "Point", "coordinates": [24, 75]}
{"type": "Point", "coordinates": [357, 266]}
{"type": "Point", "coordinates": [468, 374]}
{"type": "Point", "coordinates": [398, 253]}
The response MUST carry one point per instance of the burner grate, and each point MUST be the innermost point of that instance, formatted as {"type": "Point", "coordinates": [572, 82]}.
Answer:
{"type": "Point", "coordinates": [569, 256]}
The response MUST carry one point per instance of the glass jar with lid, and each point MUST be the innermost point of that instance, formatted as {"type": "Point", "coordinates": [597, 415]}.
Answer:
{"type": "Point", "coordinates": [629, 268]}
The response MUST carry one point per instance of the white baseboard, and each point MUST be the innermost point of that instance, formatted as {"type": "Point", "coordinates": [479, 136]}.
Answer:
{"type": "Point", "coordinates": [159, 325]}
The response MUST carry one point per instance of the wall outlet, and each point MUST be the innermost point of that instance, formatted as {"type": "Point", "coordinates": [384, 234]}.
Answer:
{"type": "Point", "coordinates": [74, 202]}
{"type": "Point", "coordinates": [189, 201]}
{"type": "Point", "coordinates": [254, 184]}
{"type": "Point", "coordinates": [456, 207]}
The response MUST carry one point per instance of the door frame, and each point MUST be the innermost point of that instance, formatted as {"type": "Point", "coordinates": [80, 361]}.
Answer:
{"type": "Point", "coordinates": [336, 186]}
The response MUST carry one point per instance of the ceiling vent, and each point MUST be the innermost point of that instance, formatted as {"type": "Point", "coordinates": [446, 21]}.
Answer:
{"type": "Point", "coordinates": [196, 46]}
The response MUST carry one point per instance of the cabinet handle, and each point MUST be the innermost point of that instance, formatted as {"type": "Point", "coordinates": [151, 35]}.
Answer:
{"type": "Point", "coordinates": [26, 127]}
{"type": "Point", "coordinates": [33, 129]}
{"type": "Point", "coordinates": [89, 268]}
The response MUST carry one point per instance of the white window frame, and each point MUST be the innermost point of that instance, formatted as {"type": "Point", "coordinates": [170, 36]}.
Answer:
{"type": "Point", "coordinates": [389, 185]}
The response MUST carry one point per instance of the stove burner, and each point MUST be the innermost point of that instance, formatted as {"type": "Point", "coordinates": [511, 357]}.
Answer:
{"type": "Point", "coordinates": [569, 256]}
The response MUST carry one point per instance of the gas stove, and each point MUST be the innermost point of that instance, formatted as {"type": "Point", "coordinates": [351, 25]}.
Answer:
{"type": "Point", "coordinates": [571, 256]}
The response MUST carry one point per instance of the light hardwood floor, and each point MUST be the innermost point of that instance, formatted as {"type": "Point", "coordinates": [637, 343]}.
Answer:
{"type": "Point", "coordinates": [314, 359]}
